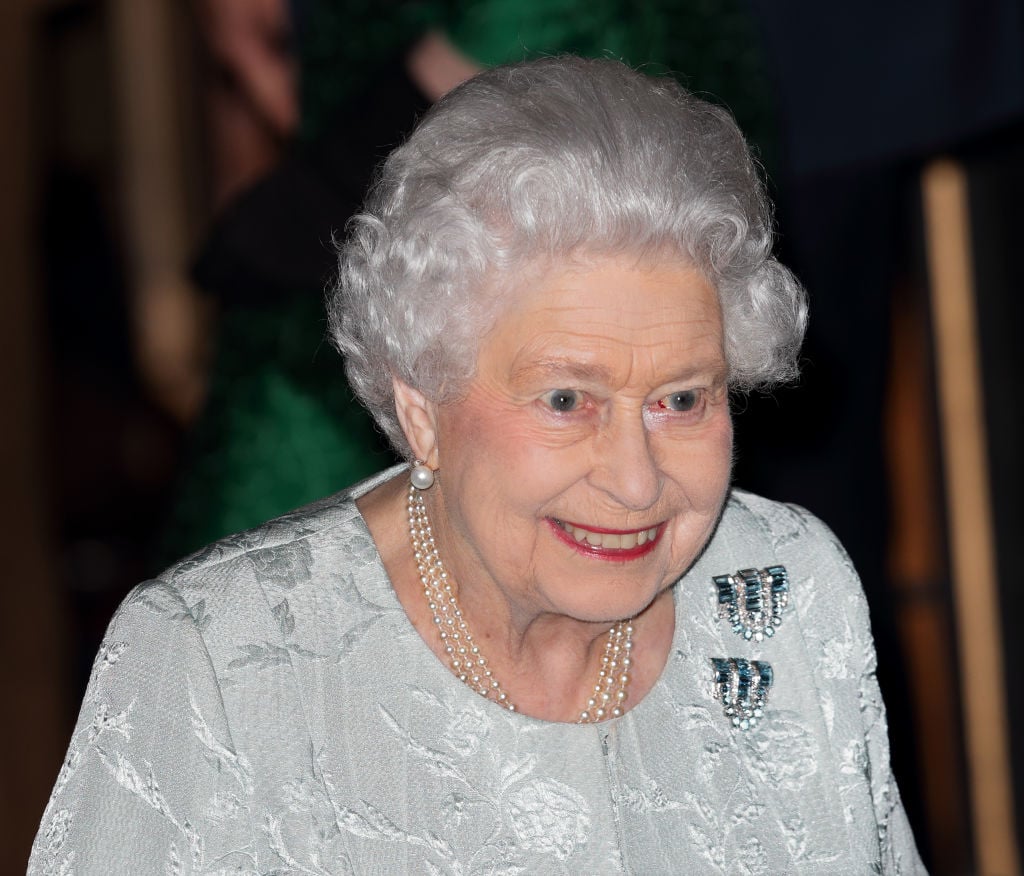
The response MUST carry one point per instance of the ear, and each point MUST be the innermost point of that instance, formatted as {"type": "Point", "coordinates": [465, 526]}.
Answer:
{"type": "Point", "coordinates": [418, 418]}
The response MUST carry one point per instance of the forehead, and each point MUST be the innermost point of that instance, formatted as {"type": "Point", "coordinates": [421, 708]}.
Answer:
{"type": "Point", "coordinates": [606, 315]}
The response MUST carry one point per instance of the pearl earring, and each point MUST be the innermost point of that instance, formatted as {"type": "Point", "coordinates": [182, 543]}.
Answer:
{"type": "Point", "coordinates": [421, 476]}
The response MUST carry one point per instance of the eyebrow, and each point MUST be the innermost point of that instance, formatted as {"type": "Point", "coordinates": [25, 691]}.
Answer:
{"type": "Point", "coordinates": [583, 371]}
{"type": "Point", "coordinates": [587, 372]}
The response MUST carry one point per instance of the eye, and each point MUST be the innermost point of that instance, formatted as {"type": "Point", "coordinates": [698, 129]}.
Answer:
{"type": "Point", "coordinates": [562, 400]}
{"type": "Point", "coordinates": [682, 401]}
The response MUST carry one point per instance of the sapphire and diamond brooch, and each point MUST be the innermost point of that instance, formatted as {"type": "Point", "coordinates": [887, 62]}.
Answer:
{"type": "Point", "coordinates": [752, 602]}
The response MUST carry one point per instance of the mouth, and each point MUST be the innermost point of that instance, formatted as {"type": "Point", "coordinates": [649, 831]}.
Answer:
{"type": "Point", "coordinates": [612, 544]}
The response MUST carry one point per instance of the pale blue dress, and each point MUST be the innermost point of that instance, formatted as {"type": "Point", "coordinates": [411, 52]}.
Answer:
{"type": "Point", "coordinates": [266, 707]}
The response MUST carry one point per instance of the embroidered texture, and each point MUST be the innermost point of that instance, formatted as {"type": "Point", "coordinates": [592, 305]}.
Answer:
{"type": "Point", "coordinates": [266, 707]}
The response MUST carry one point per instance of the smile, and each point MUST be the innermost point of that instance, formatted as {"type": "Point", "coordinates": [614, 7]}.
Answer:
{"type": "Point", "coordinates": [620, 544]}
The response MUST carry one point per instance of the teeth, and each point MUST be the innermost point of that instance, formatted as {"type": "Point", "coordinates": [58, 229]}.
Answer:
{"type": "Point", "coordinates": [610, 540]}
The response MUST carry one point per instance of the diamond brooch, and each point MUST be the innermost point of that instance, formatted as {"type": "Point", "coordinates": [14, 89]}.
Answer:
{"type": "Point", "coordinates": [742, 687]}
{"type": "Point", "coordinates": [753, 600]}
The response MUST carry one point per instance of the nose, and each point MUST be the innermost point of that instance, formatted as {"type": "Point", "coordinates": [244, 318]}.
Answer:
{"type": "Point", "coordinates": [625, 466]}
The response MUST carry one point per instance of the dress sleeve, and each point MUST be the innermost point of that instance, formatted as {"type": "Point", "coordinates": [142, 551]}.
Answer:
{"type": "Point", "coordinates": [151, 782]}
{"type": "Point", "coordinates": [899, 855]}
{"type": "Point", "coordinates": [896, 840]}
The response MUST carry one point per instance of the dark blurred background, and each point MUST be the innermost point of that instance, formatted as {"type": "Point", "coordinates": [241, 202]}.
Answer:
{"type": "Point", "coordinates": [171, 174]}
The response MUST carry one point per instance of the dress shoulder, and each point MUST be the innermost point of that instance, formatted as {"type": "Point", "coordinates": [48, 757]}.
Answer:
{"type": "Point", "coordinates": [783, 522]}
{"type": "Point", "coordinates": [319, 545]}
{"type": "Point", "coordinates": [194, 709]}
{"type": "Point", "coordinates": [151, 774]}
{"type": "Point", "coordinates": [836, 625]}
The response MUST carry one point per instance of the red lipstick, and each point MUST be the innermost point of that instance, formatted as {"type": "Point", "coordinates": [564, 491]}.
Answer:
{"type": "Point", "coordinates": [603, 553]}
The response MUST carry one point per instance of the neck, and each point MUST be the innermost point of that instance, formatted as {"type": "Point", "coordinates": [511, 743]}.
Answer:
{"type": "Point", "coordinates": [547, 663]}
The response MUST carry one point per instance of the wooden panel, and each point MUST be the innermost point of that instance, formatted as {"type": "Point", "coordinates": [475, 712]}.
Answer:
{"type": "Point", "coordinates": [917, 567]}
{"type": "Point", "coordinates": [169, 320]}
{"type": "Point", "coordinates": [972, 549]}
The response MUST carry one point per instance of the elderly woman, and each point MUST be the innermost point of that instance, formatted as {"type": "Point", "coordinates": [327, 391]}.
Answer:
{"type": "Point", "coordinates": [556, 642]}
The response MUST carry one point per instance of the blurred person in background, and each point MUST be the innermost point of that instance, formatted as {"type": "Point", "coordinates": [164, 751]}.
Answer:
{"type": "Point", "coordinates": [252, 96]}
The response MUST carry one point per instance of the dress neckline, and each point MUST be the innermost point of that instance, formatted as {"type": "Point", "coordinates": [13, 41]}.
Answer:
{"type": "Point", "coordinates": [387, 598]}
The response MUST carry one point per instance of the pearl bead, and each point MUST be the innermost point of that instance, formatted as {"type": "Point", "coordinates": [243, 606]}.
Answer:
{"type": "Point", "coordinates": [421, 477]}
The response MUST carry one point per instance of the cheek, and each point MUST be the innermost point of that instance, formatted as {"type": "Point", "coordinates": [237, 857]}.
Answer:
{"type": "Point", "coordinates": [505, 469]}
{"type": "Point", "coordinates": [487, 433]}
{"type": "Point", "coordinates": [702, 464]}
{"type": "Point", "coordinates": [720, 452]}
{"type": "Point", "coordinates": [488, 423]}
{"type": "Point", "coordinates": [724, 444]}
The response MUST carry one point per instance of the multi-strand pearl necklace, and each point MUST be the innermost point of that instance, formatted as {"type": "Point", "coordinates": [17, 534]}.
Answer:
{"type": "Point", "coordinates": [464, 656]}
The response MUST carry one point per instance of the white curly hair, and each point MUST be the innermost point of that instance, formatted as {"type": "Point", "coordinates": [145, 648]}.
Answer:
{"type": "Point", "coordinates": [529, 163]}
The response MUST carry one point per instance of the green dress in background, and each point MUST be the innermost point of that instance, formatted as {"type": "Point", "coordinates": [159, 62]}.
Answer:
{"type": "Point", "coordinates": [281, 425]}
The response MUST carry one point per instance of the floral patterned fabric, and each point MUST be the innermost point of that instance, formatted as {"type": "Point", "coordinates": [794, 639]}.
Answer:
{"type": "Point", "coordinates": [267, 707]}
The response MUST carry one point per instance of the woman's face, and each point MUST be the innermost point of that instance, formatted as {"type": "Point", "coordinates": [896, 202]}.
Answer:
{"type": "Point", "coordinates": [587, 465]}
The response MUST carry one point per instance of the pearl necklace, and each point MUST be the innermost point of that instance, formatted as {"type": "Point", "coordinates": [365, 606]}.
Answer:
{"type": "Point", "coordinates": [463, 653]}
